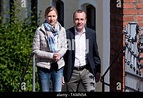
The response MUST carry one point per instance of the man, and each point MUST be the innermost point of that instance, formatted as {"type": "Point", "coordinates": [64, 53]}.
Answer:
{"type": "Point", "coordinates": [82, 61]}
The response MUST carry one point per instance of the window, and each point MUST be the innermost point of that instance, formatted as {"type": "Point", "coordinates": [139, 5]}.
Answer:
{"type": "Point", "coordinates": [34, 9]}
{"type": "Point", "coordinates": [91, 17]}
{"type": "Point", "coordinates": [60, 9]}
{"type": "Point", "coordinates": [11, 10]}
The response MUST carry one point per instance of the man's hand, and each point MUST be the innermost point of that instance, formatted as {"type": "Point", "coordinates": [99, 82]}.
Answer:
{"type": "Point", "coordinates": [63, 81]}
{"type": "Point", "coordinates": [98, 77]}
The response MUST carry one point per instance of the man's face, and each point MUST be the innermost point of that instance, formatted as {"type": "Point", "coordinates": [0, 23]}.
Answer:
{"type": "Point", "coordinates": [79, 21]}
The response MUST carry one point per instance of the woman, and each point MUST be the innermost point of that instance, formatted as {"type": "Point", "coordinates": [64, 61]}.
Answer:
{"type": "Point", "coordinates": [49, 46]}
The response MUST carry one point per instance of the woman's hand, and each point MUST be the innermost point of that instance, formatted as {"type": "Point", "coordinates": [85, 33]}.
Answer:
{"type": "Point", "coordinates": [56, 57]}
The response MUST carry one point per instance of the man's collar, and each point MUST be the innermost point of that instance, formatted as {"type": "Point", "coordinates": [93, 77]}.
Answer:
{"type": "Point", "coordinates": [76, 32]}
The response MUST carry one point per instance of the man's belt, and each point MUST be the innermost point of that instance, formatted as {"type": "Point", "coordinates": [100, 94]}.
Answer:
{"type": "Point", "coordinates": [80, 67]}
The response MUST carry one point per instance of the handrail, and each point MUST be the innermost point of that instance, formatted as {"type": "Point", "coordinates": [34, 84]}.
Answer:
{"type": "Point", "coordinates": [33, 73]}
{"type": "Point", "coordinates": [102, 77]}
{"type": "Point", "coordinates": [24, 72]}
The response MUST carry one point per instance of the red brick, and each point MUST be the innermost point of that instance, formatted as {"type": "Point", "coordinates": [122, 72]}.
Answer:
{"type": "Point", "coordinates": [128, 5]}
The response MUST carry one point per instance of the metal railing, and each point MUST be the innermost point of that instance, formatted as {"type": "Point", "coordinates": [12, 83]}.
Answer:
{"type": "Point", "coordinates": [102, 77]}
{"type": "Point", "coordinates": [133, 48]}
{"type": "Point", "coordinates": [33, 73]}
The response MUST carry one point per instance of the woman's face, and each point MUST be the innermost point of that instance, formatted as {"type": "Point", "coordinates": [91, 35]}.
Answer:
{"type": "Point", "coordinates": [51, 17]}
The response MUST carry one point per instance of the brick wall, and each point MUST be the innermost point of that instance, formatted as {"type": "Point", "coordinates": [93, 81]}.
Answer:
{"type": "Point", "coordinates": [133, 11]}
{"type": "Point", "coordinates": [129, 11]}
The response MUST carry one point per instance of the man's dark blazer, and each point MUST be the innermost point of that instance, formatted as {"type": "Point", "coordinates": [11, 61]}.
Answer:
{"type": "Point", "coordinates": [92, 55]}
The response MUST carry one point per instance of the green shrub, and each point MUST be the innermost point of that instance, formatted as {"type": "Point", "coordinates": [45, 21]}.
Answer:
{"type": "Point", "coordinates": [16, 38]}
